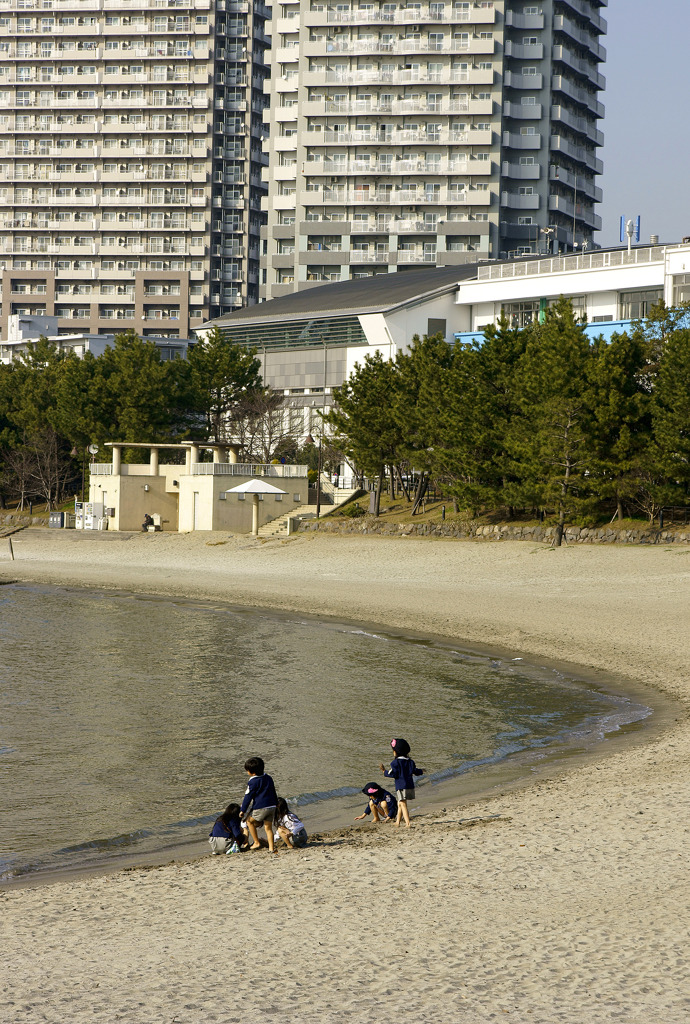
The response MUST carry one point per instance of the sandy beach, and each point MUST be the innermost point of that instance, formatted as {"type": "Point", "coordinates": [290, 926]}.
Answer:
{"type": "Point", "coordinates": [565, 900]}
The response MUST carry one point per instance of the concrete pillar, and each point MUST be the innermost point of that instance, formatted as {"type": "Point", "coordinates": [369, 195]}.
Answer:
{"type": "Point", "coordinates": [232, 454]}
{"type": "Point", "coordinates": [154, 462]}
{"type": "Point", "coordinates": [117, 459]}
{"type": "Point", "coordinates": [217, 454]}
{"type": "Point", "coordinates": [188, 460]}
{"type": "Point", "coordinates": [194, 453]}
{"type": "Point", "coordinates": [255, 514]}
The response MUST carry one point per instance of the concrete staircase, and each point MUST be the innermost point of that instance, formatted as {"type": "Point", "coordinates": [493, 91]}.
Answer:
{"type": "Point", "coordinates": [331, 498]}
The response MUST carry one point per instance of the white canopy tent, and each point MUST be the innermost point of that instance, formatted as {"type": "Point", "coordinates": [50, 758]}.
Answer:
{"type": "Point", "coordinates": [255, 488]}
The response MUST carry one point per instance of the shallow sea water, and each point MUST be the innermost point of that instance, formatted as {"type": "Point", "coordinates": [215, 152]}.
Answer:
{"type": "Point", "coordinates": [125, 721]}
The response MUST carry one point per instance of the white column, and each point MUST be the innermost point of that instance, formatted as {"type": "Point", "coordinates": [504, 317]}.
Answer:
{"type": "Point", "coordinates": [255, 514]}
{"type": "Point", "coordinates": [117, 459]}
{"type": "Point", "coordinates": [154, 462]}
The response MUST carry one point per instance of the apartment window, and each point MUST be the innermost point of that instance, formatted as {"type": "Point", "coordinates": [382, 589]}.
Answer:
{"type": "Point", "coordinates": [636, 305]}
{"type": "Point", "coordinates": [521, 314]}
{"type": "Point", "coordinates": [681, 288]}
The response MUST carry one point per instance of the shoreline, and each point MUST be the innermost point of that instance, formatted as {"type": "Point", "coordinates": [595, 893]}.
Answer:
{"type": "Point", "coordinates": [472, 784]}
{"type": "Point", "coordinates": [466, 786]}
{"type": "Point", "coordinates": [573, 875]}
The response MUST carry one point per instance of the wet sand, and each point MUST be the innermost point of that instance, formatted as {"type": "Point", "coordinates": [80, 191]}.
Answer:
{"type": "Point", "coordinates": [564, 901]}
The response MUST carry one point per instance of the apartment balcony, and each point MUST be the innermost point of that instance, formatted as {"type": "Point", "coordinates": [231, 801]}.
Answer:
{"type": "Point", "coordinates": [578, 124]}
{"type": "Point", "coordinates": [396, 197]}
{"type": "Point", "coordinates": [522, 111]}
{"type": "Point", "coordinates": [582, 96]}
{"type": "Point", "coordinates": [513, 141]}
{"type": "Point", "coordinates": [582, 37]}
{"type": "Point", "coordinates": [414, 16]}
{"type": "Point", "coordinates": [400, 137]}
{"type": "Point", "coordinates": [406, 256]}
{"type": "Point", "coordinates": [511, 201]}
{"type": "Point", "coordinates": [357, 77]}
{"type": "Point", "coordinates": [577, 153]}
{"type": "Point", "coordinates": [364, 167]}
{"type": "Point", "coordinates": [88, 31]}
{"type": "Point", "coordinates": [41, 224]}
{"type": "Point", "coordinates": [583, 8]}
{"type": "Point", "coordinates": [520, 51]}
{"type": "Point", "coordinates": [48, 174]}
{"type": "Point", "coordinates": [574, 211]}
{"type": "Point", "coordinates": [569, 57]}
{"type": "Point", "coordinates": [524, 21]}
{"type": "Point", "coordinates": [370, 256]}
{"type": "Point", "coordinates": [401, 46]}
{"type": "Point", "coordinates": [419, 106]}
{"type": "Point", "coordinates": [413, 227]}
{"type": "Point", "coordinates": [581, 183]}
{"type": "Point", "coordinates": [222, 203]}
{"type": "Point", "coordinates": [522, 172]}
{"type": "Point", "coordinates": [517, 81]}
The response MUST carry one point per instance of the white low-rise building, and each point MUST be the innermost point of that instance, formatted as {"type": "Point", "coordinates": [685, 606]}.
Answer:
{"type": "Point", "coordinates": [610, 287]}
{"type": "Point", "coordinates": [310, 341]}
{"type": "Point", "coordinates": [24, 331]}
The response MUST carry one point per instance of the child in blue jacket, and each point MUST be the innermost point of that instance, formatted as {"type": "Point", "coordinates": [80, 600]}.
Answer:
{"type": "Point", "coordinates": [382, 804]}
{"type": "Point", "coordinates": [259, 803]}
{"type": "Point", "coordinates": [403, 770]}
{"type": "Point", "coordinates": [227, 834]}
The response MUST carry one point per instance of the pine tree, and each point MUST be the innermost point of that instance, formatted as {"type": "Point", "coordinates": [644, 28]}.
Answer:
{"type": "Point", "coordinates": [364, 422]}
{"type": "Point", "coordinates": [619, 407]}
{"type": "Point", "coordinates": [671, 412]}
{"type": "Point", "coordinates": [549, 440]}
{"type": "Point", "coordinates": [222, 374]}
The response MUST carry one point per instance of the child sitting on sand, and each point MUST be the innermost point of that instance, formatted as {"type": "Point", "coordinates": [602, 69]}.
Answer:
{"type": "Point", "coordinates": [402, 769]}
{"type": "Point", "coordinates": [288, 826]}
{"type": "Point", "coordinates": [261, 797]}
{"type": "Point", "coordinates": [382, 805]}
{"type": "Point", "coordinates": [227, 835]}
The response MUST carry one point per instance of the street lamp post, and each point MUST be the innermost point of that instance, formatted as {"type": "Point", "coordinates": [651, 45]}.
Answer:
{"type": "Point", "coordinates": [548, 232]}
{"type": "Point", "coordinates": [311, 440]}
{"type": "Point", "coordinates": [74, 453]}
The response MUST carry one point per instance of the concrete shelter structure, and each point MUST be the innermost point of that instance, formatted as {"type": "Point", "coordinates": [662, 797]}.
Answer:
{"type": "Point", "coordinates": [189, 494]}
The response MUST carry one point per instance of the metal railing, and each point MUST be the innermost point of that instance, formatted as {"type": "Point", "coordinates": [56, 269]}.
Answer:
{"type": "Point", "coordinates": [584, 261]}
{"type": "Point", "coordinates": [248, 469]}
{"type": "Point", "coordinates": [284, 472]}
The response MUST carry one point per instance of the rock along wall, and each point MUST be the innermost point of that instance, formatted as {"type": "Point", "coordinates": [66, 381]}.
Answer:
{"type": "Point", "coordinates": [538, 534]}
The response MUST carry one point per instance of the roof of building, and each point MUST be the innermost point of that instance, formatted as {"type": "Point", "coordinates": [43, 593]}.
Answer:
{"type": "Point", "coordinates": [374, 294]}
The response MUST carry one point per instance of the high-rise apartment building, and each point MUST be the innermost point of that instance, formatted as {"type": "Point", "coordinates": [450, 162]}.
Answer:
{"type": "Point", "coordinates": [429, 132]}
{"type": "Point", "coordinates": [130, 161]}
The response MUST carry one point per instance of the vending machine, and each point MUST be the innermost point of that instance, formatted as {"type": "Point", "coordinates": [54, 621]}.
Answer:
{"type": "Point", "coordinates": [87, 514]}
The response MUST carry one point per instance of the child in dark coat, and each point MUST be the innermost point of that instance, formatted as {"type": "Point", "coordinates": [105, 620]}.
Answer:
{"type": "Point", "coordinates": [382, 804]}
{"type": "Point", "coordinates": [403, 770]}
{"type": "Point", "coordinates": [227, 834]}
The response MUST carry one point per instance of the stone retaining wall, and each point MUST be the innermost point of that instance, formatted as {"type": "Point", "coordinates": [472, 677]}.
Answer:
{"type": "Point", "coordinates": [12, 519]}
{"type": "Point", "coordinates": [539, 534]}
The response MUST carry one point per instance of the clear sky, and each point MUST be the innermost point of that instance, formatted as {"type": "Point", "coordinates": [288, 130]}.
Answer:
{"type": "Point", "coordinates": [646, 152]}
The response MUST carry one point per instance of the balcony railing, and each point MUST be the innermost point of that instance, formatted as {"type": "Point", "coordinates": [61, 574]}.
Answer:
{"type": "Point", "coordinates": [565, 264]}
{"type": "Point", "coordinates": [248, 469]}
